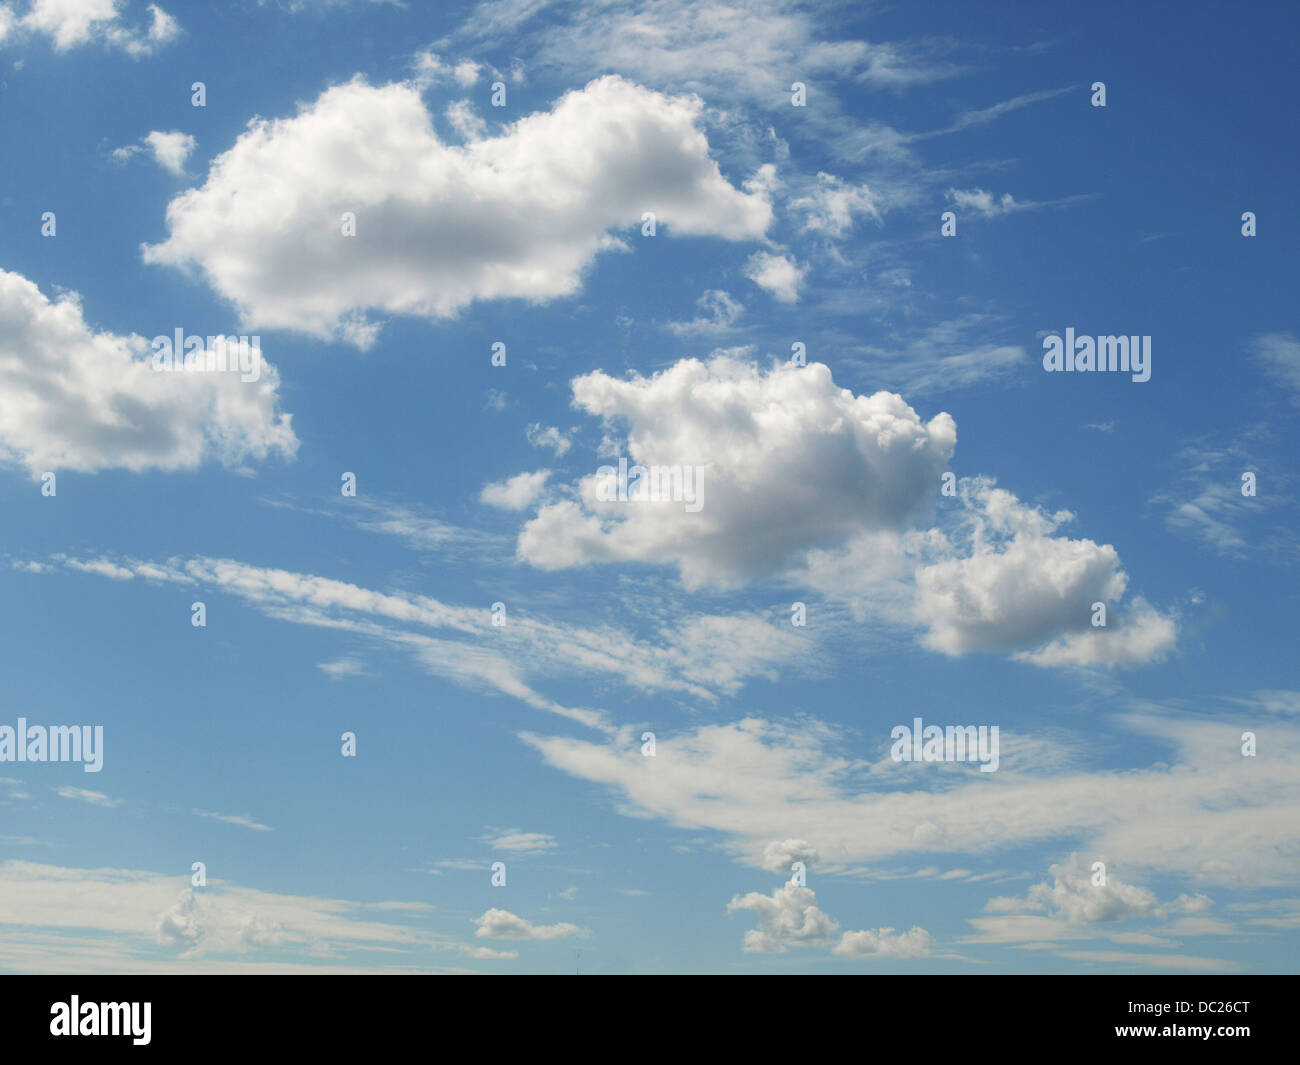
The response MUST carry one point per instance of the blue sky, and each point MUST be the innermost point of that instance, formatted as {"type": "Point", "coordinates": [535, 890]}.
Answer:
{"type": "Point", "coordinates": [477, 484]}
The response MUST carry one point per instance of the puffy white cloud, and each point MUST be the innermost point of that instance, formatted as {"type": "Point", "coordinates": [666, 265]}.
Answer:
{"type": "Point", "coordinates": [72, 23]}
{"type": "Point", "coordinates": [790, 471]}
{"type": "Point", "coordinates": [785, 461]}
{"type": "Point", "coordinates": [1073, 907]}
{"type": "Point", "coordinates": [466, 73]}
{"type": "Point", "coordinates": [1073, 896]}
{"type": "Point", "coordinates": [169, 150]}
{"type": "Point", "coordinates": [916, 942]}
{"type": "Point", "coordinates": [75, 398]}
{"type": "Point", "coordinates": [200, 925]}
{"type": "Point", "coordinates": [1020, 586]}
{"type": "Point", "coordinates": [790, 917]}
{"type": "Point", "coordinates": [439, 226]}
{"type": "Point", "coordinates": [778, 274]}
{"type": "Point", "coordinates": [781, 854]}
{"type": "Point", "coordinates": [1138, 635]}
{"type": "Point", "coordinates": [429, 68]}
{"type": "Point", "coordinates": [69, 22]}
{"type": "Point", "coordinates": [502, 924]}
{"type": "Point", "coordinates": [984, 203]}
{"type": "Point", "coordinates": [517, 492]}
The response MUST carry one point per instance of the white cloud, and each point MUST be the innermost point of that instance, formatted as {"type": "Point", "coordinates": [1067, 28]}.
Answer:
{"type": "Point", "coordinates": [719, 313]}
{"type": "Point", "coordinates": [522, 842]}
{"type": "Point", "coordinates": [780, 855]}
{"type": "Point", "coordinates": [341, 667]}
{"type": "Point", "coordinates": [95, 798]}
{"type": "Point", "coordinates": [466, 73]}
{"type": "Point", "coordinates": [1274, 701]}
{"type": "Point", "coordinates": [502, 924]}
{"type": "Point", "coordinates": [941, 357]}
{"type": "Point", "coordinates": [487, 953]}
{"type": "Point", "coordinates": [790, 917]}
{"type": "Point", "coordinates": [69, 22]}
{"type": "Point", "coordinates": [170, 150]}
{"type": "Point", "coordinates": [517, 492]}
{"type": "Point", "coordinates": [885, 943]}
{"type": "Point", "coordinates": [731, 49]}
{"type": "Point", "coordinates": [1074, 905]}
{"type": "Point", "coordinates": [429, 69]}
{"type": "Point", "coordinates": [75, 398]}
{"type": "Point", "coordinates": [548, 436]}
{"type": "Point", "coordinates": [138, 909]}
{"type": "Point", "coordinates": [1139, 635]}
{"type": "Point", "coordinates": [466, 121]}
{"type": "Point", "coordinates": [438, 226]}
{"type": "Point", "coordinates": [831, 205]}
{"type": "Point", "coordinates": [1074, 897]}
{"type": "Point", "coordinates": [1278, 354]}
{"type": "Point", "coordinates": [985, 203]}
{"type": "Point", "coordinates": [790, 461]}
{"type": "Point", "coordinates": [1198, 810]}
{"type": "Point", "coordinates": [1020, 586]}
{"type": "Point", "coordinates": [701, 656]}
{"type": "Point", "coordinates": [778, 274]}
{"type": "Point", "coordinates": [73, 23]}
{"type": "Point", "coordinates": [418, 531]}
{"type": "Point", "coordinates": [1205, 499]}
{"type": "Point", "coordinates": [103, 567]}
{"type": "Point", "coordinates": [242, 820]}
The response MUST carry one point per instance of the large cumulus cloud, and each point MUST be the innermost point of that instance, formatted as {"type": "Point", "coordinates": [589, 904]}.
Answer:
{"type": "Point", "coordinates": [790, 461]}
{"type": "Point", "coordinates": [439, 225]}
{"type": "Point", "coordinates": [73, 397]}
